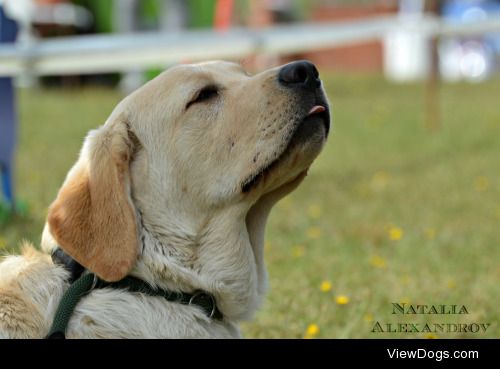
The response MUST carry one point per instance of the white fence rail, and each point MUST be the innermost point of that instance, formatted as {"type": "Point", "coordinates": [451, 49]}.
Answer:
{"type": "Point", "coordinates": [114, 53]}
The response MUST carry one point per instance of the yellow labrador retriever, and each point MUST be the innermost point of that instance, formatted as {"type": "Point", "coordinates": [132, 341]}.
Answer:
{"type": "Point", "coordinates": [173, 191]}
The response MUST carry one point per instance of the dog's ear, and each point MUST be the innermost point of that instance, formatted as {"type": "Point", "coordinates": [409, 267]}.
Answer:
{"type": "Point", "coordinates": [92, 218]}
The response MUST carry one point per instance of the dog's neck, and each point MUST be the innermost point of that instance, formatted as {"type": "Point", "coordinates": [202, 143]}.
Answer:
{"type": "Point", "coordinates": [222, 254]}
{"type": "Point", "coordinates": [217, 255]}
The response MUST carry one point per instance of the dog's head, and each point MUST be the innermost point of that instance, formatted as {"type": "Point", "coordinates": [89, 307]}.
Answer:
{"type": "Point", "coordinates": [194, 141]}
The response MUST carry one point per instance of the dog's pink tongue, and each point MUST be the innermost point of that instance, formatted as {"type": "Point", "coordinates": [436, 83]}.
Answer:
{"type": "Point", "coordinates": [316, 110]}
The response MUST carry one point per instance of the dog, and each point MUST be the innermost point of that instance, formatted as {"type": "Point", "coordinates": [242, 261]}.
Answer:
{"type": "Point", "coordinates": [174, 190]}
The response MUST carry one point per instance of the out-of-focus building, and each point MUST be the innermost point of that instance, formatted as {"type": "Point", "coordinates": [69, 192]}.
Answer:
{"type": "Point", "coordinates": [368, 56]}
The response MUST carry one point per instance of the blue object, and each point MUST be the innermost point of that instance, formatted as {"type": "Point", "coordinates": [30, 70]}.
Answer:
{"type": "Point", "coordinates": [462, 11]}
{"type": "Point", "coordinates": [8, 116]}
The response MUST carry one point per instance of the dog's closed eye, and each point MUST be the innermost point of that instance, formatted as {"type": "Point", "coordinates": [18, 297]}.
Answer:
{"type": "Point", "coordinates": [205, 94]}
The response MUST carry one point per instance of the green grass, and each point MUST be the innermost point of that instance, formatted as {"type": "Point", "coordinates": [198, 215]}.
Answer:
{"type": "Point", "coordinates": [380, 170]}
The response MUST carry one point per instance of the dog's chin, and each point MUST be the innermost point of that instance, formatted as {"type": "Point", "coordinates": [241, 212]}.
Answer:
{"type": "Point", "coordinates": [304, 146]}
{"type": "Point", "coordinates": [310, 135]}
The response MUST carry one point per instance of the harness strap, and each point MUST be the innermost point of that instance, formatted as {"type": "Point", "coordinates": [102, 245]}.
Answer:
{"type": "Point", "coordinates": [90, 281]}
{"type": "Point", "coordinates": [67, 305]}
{"type": "Point", "coordinates": [82, 283]}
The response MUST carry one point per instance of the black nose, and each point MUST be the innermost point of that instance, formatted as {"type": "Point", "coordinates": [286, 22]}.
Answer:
{"type": "Point", "coordinates": [300, 74]}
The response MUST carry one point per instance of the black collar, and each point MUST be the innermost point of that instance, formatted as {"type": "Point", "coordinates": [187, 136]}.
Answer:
{"type": "Point", "coordinates": [202, 299]}
{"type": "Point", "coordinates": [75, 270]}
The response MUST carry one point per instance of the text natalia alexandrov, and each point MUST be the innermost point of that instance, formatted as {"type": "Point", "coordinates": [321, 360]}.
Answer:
{"type": "Point", "coordinates": [409, 309]}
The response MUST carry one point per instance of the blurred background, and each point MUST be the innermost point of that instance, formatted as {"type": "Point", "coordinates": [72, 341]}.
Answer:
{"type": "Point", "coordinates": [403, 205]}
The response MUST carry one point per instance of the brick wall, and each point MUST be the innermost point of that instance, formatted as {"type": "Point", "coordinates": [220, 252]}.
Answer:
{"type": "Point", "coordinates": [362, 57]}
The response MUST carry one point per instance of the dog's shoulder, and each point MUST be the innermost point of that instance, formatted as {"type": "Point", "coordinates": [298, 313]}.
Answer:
{"type": "Point", "coordinates": [30, 289]}
{"type": "Point", "coordinates": [115, 313]}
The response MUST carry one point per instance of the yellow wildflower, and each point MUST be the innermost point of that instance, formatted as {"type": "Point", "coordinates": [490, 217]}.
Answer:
{"type": "Point", "coordinates": [378, 262]}
{"type": "Point", "coordinates": [326, 286]}
{"type": "Point", "coordinates": [314, 211]}
{"type": "Point", "coordinates": [311, 331]}
{"type": "Point", "coordinates": [298, 251]}
{"type": "Point", "coordinates": [395, 233]}
{"type": "Point", "coordinates": [341, 300]}
{"type": "Point", "coordinates": [368, 317]}
{"type": "Point", "coordinates": [405, 300]}
{"type": "Point", "coordinates": [314, 233]}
